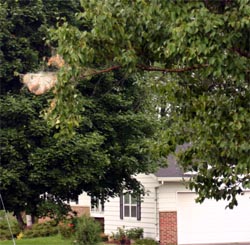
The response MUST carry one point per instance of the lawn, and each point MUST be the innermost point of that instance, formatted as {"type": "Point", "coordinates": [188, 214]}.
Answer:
{"type": "Point", "coordinates": [52, 240]}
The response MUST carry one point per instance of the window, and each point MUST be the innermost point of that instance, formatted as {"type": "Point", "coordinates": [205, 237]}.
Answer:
{"type": "Point", "coordinates": [130, 206]}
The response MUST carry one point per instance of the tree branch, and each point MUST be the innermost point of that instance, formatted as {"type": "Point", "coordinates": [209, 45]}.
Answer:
{"type": "Point", "coordinates": [171, 70]}
{"type": "Point", "coordinates": [102, 71]}
{"type": "Point", "coordinates": [148, 68]}
{"type": "Point", "coordinates": [241, 52]}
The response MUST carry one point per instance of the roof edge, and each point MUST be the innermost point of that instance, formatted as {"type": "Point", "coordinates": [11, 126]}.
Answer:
{"type": "Point", "coordinates": [173, 179]}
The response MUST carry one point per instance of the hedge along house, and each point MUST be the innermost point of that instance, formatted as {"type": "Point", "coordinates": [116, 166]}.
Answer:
{"type": "Point", "coordinates": [168, 212]}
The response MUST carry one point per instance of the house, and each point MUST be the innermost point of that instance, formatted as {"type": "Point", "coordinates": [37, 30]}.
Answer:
{"type": "Point", "coordinates": [168, 212]}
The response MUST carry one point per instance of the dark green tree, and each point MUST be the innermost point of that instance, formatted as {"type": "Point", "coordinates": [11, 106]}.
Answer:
{"type": "Point", "coordinates": [23, 29]}
{"type": "Point", "coordinates": [39, 172]}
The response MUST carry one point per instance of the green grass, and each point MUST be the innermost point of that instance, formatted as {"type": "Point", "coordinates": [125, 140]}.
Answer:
{"type": "Point", "coordinates": [52, 240]}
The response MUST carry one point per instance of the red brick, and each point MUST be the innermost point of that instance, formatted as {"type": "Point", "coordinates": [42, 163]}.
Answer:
{"type": "Point", "coordinates": [168, 228]}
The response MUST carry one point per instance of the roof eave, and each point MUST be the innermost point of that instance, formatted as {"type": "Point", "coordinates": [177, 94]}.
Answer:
{"type": "Point", "coordinates": [173, 179]}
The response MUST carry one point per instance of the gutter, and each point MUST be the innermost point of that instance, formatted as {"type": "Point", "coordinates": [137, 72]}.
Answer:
{"type": "Point", "coordinates": [156, 215]}
{"type": "Point", "coordinates": [173, 179]}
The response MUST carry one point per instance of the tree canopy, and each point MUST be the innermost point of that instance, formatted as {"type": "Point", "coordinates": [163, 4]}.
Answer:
{"type": "Point", "coordinates": [198, 54]}
{"type": "Point", "coordinates": [24, 27]}
{"type": "Point", "coordinates": [38, 171]}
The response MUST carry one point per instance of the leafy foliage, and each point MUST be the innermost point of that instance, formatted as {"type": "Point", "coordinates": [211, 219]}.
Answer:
{"type": "Point", "coordinates": [87, 231]}
{"type": "Point", "coordinates": [66, 229]}
{"type": "Point", "coordinates": [4, 226]}
{"type": "Point", "coordinates": [199, 52]}
{"type": "Point", "coordinates": [24, 28]}
{"type": "Point", "coordinates": [146, 241]}
{"type": "Point", "coordinates": [21, 131]}
{"type": "Point", "coordinates": [132, 233]}
{"type": "Point", "coordinates": [41, 230]}
{"type": "Point", "coordinates": [39, 172]}
{"type": "Point", "coordinates": [117, 110]}
{"type": "Point", "coordinates": [135, 233]}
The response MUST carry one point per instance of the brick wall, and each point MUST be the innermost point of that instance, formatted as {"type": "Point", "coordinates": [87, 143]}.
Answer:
{"type": "Point", "coordinates": [81, 210]}
{"type": "Point", "coordinates": [168, 228]}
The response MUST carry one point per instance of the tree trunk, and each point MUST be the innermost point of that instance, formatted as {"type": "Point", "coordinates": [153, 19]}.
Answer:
{"type": "Point", "coordinates": [20, 220]}
{"type": "Point", "coordinates": [33, 219]}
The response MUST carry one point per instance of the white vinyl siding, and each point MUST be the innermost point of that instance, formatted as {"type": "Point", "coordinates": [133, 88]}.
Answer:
{"type": "Point", "coordinates": [168, 195]}
{"type": "Point", "coordinates": [83, 200]}
{"type": "Point", "coordinates": [149, 214]}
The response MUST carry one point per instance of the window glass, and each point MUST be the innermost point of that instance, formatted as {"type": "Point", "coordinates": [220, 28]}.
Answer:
{"type": "Point", "coordinates": [126, 211]}
{"type": "Point", "coordinates": [127, 198]}
{"type": "Point", "coordinates": [133, 211]}
{"type": "Point", "coordinates": [133, 200]}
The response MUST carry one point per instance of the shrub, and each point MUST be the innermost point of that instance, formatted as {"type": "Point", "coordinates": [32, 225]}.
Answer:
{"type": "Point", "coordinates": [135, 233]}
{"type": "Point", "coordinates": [66, 229]}
{"type": "Point", "coordinates": [119, 234]}
{"type": "Point", "coordinates": [5, 235]}
{"type": "Point", "coordinates": [104, 237]}
{"type": "Point", "coordinates": [87, 231]}
{"type": "Point", "coordinates": [4, 227]}
{"type": "Point", "coordinates": [41, 230]}
{"type": "Point", "coordinates": [5, 231]}
{"type": "Point", "coordinates": [146, 241]}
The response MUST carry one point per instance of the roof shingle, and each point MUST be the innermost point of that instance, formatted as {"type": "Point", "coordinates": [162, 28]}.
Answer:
{"type": "Point", "coordinates": [173, 170]}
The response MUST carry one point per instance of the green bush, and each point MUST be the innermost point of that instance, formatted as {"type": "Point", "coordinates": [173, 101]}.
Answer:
{"type": "Point", "coordinates": [135, 233]}
{"type": "Point", "coordinates": [28, 233]}
{"type": "Point", "coordinates": [41, 230]}
{"type": "Point", "coordinates": [5, 235]}
{"type": "Point", "coordinates": [104, 237]}
{"type": "Point", "coordinates": [66, 229]}
{"type": "Point", "coordinates": [4, 228]}
{"type": "Point", "coordinates": [87, 231]}
{"type": "Point", "coordinates": [146, 241]}
{"type": "Point", "coordinates": [119, 234]}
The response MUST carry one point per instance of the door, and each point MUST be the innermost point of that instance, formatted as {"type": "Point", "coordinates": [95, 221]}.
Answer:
{"type": "Point", "coordinates": [210, 222]}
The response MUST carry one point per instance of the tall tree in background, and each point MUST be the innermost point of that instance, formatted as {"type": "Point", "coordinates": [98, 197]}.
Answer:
{"type": "Point", "coordinates": [24, 27]}
{"type": "Point", "coordinates": [39, 172]}
{"type": "Point", "coordinates": [201, 52]}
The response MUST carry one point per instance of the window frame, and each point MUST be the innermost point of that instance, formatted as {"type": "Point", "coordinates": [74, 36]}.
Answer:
{"type": "Point", "coordinates": [128, 202]}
